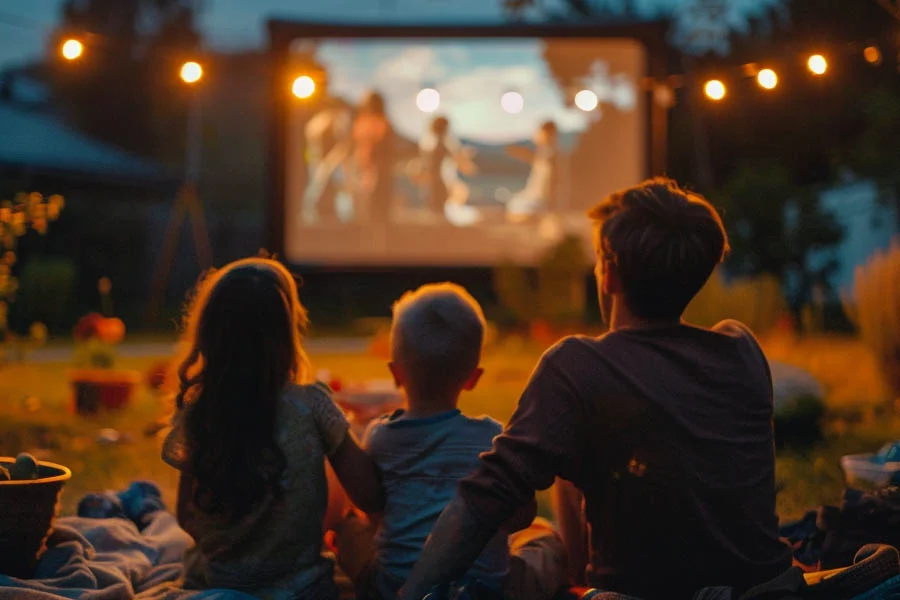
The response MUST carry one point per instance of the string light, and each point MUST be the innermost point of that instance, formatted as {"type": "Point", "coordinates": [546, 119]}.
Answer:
{"type": "Point", "coordinates": [714, 89]}
{"type": "Point", "coordinates": [586, 100]}
{"type": "Point", "coordinates": [767, 79]}
{"type": "Point", "coordinates": [817, 64]}
{"type": "Point", "coordinates": [191, 72]}
{"type": "Point", "coordinates": [72, 49]}
{"type": "Point", "coordinates": [872, 55]}
{"type": "Point", "coordinates": [428, 100]}
{"type": "Point", "coordinates": [303, 87]}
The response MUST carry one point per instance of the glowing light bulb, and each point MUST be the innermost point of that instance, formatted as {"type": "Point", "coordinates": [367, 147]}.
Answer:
{"type": "Point", "coordinates": [586, 100]}
{"type": "Point", "coordinates": [872, 55]}
{"type": "Point", "coordinates": [191, 72]}
{"type": "Point", "coordinates": [817, 64]}
{"type": "Point", "coordinates": [428, 100]}
{"type": "Point", "coordinates": [303, 87]}
{"type": "Point", "coordinates": [767, 79]}
{"type": "Point", "coordinates": [72, 49]}
{"type": "Point", "coordinates": [714, 89]}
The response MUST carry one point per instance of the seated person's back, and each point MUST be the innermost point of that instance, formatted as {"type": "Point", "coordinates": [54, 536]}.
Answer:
{"type": "Point", "coordinates": [250, 437]}
{"type": "Point", "coordinates": [425, 449]}
{"type": "Point", "coordinates": [678, 424]}
{"type": "Point", "coordinates": [422, 461]}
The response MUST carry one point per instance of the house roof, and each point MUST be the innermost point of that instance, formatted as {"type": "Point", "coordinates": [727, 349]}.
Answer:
{"type": "Point", "coordinates": [37, 141]}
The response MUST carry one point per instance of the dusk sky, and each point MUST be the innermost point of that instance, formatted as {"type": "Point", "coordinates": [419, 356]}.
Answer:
{"type": "Point", "coordinates": [240, 24]}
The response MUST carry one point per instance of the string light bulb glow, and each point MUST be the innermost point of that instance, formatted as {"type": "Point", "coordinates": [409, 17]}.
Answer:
{"type": "Point", "coordinates": [191, 72]}
{"type": "Point", "coordinates": [767, 78]}
{"type": "Point", "coordinates": [303, 87]}
{"type": "Point", "coordinates": [586, 100]}
{"type": "Point", "coordinates": [72, 49]}
{"type": "Point", "coordinates": [428, 100]}
{"type": "Point", "coordinates": [872, 55]}
{"type": "Point", "coordinates": [817, 64]}
{"type": "Point", "coordinates": [512, 102]}
{"type": "Point", "coordinates": [714, 89]}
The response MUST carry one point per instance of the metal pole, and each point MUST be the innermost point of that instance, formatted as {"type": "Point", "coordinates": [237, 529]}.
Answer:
{"type": "Point", "coordinates": [192, 176]}
{"type": "Point", "coordinates": [186, 203]}
{"type": "Point", "coordinates": [194, 140]}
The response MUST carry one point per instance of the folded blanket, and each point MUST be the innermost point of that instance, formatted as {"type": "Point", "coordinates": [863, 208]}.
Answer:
{"type": "Point", "coordinates": [113, 558]}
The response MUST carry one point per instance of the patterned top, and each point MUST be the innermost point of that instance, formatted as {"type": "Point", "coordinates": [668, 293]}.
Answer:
{"type": "Point", "coordinates": [422, 461]}
{"type": "Point", "coordinates": [275, 551]}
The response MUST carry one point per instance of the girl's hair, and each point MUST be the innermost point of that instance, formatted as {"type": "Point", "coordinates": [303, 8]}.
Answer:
{"type": "Point", "coordinates": [242, 339]}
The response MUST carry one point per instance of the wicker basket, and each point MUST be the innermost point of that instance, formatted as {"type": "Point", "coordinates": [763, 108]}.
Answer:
{"type": "Point", "coordinates": [27, 510]}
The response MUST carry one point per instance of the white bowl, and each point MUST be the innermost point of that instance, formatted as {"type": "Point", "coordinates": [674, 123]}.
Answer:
{"type": "Point", "coordinates": [867, 468]}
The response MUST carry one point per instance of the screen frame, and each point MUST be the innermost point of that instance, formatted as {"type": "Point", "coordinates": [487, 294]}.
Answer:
{"type": "Point", "coordinates": [282, 33]}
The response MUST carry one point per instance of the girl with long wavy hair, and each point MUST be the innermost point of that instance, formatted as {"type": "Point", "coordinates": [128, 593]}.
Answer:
{"type": "Point", "coordinates": [250, 436]}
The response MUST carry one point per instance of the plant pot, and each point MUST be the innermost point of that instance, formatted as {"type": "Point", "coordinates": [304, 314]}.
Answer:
{"type": "Point", "coordinates": [27, 511]}
{"type": "Point", "coordinates": [94, 390]}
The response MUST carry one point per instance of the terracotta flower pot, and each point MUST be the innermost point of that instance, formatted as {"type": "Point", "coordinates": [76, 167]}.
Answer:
{"type": "Point", "coordinates": [94, 390]}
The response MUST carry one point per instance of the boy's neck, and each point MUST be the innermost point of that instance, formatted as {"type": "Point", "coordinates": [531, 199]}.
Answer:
{"type": "Point", "coordinates": [419, 406]}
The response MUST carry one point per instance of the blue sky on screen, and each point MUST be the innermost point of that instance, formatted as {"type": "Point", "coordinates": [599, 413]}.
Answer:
{"type": "Point", "coordinates": [240, 24]}
{"type": "Point", "coordinates": [471, 76]}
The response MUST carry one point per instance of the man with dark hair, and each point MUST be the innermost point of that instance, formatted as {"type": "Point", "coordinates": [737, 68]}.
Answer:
{"type": "Point", "coordinates": [665, 428]}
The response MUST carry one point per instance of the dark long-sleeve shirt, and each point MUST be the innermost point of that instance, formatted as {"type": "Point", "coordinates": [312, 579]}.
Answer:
{"type": "Point", "coordinates": [668, 433]}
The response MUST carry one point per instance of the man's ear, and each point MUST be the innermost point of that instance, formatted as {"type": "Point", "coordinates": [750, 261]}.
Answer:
{"type": "Point", "coordinates": [612, 284]}
{"type": "Point", "coordinates": [472, 381]}
{"type": "Point", "coordinates": [397, 372]}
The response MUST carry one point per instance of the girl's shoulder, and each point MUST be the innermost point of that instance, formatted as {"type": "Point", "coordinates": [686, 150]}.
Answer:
{"type": "Point", "coordinates": [312, 404]}
{"type": "Point", "coordinates": [312, 399]}
{"type": "Point", "coordinates": [308, 394]}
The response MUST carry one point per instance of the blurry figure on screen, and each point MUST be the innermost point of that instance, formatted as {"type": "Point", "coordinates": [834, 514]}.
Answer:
{"type": "Point", "coordinates": [541, 188]}
{"type": "Point", "coordinates": [441, 160]}
{"type": "Point", "coordinates": [327, 143]}
{"type": "Point", "coordinates": [372, 160]}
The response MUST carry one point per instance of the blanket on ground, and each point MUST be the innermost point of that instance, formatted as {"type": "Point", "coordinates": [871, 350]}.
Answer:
{"type": "Point", "coordinates": [112, 559]}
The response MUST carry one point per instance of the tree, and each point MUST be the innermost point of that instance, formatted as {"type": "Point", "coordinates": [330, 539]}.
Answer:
{"type": "Point", "coordinates": [774, 227]}
{"type": "Point", "coordinates": [125, 89]}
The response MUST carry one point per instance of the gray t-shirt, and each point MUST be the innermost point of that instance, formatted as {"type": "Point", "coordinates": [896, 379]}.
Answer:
{"type": "Point", "coordinates": [422, 461]}
{"type": "Point", "coordinates": [275, 551]}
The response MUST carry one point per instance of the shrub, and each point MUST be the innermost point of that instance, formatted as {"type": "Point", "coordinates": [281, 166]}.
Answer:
{"type": "Point", "coordinates": [757, 302]}
{"type": "Point", "coordinates": [875, 309]}
{"type": "Point", "coordinates": [798, 422]}
{"type": "Point", "coordinates": [555, 292]}
{"type": "Point", "coordinates": [45, 292]}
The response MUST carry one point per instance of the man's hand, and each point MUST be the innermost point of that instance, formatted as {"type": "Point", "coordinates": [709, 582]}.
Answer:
{"type": "Point", "coordinates": [455, 542]}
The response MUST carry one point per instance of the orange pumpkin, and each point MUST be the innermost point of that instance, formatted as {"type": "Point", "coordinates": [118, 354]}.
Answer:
{"type": "Point", "coordinates": [111, 331]}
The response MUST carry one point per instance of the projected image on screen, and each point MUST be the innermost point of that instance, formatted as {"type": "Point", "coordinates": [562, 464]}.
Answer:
{"type": "Point", "coordinates": [456, 151]}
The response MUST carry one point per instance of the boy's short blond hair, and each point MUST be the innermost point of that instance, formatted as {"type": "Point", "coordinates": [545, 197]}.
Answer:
{"type": "Point", "coordinates": [437, 336]}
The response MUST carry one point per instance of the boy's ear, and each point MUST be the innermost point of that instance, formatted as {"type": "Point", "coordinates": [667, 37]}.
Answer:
{"type": "Point", "coordinates": [472, 381]}
{"type": "Point", "coordinates": [397, 372]}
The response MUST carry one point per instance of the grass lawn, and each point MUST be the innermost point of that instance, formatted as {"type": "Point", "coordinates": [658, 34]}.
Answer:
{"type": "Point", "coordinates": [52, 432]}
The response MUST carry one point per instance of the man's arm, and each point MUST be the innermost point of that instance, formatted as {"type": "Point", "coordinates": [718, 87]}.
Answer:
{"type": "Point", "coordinates": [543, 440]}
{"type": "Point", "coordinates": [455, 542]}
{"type": "Point", "coordinates": [522, 519]}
